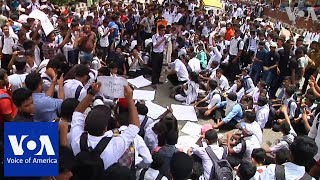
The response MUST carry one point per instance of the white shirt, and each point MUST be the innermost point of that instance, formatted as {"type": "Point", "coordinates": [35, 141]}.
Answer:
{"type": "Point", "coordinates": [234, 46]}
{"type": "Point", "coordinates": [252, 142]}
{"type": "Point", "coordinates": [104, 41]}
{"type": "Point", "coordinates": [283, 142]}
{"type": "Point", "coordinates": [206, 160]}
{"type": "Point", "coordinates": [240, 93]}
{"type": "Point", "coordinates": [262, 115]}
{"type": "Point", "coordinates": [8, 44]}
{"type": "Point", "coordinates": [213, 98]}
{"type": "Point", "coordinates": [257, 131]}
{"type": "Point", "coordinates": [17, 80]}
{"type": "Point", "coordinates": [194, 64]}
{"type": "Point", "coordinates": [255, 94]}
{"type": "Point", "coordinates": [215, 57]}
{"type": "Point", "coordinates": [142, 154]}
{"type": "Point", "coordinates": [150, 137]}
{"type": "Point", "coordinates": [151, 174]}
{"type": "Point", "coordinates": [292, 171]}
{"type": "Point", "coordinates": [114, 150]}
{"type": "Point", "coordinates": [148, 22]}
{"type": "Point", "coordinates": [155, 39]}
{"type": "Point", "coordinates": [253, 44]}
{"type": "Point", "coordinates": [136, 65]}
{"type": "Point", "coordinates": [223, 83]}
{"type": "Point", "coordinates": [148, 123]}
{"type": "Point", "coordinates": [181, 70]}
{"type": "Point", "coordinates": [70, 87]}
{"type": "Point", "coordinates": [314, 133]}
{"type": "Point", "coordinates": [46, 81]}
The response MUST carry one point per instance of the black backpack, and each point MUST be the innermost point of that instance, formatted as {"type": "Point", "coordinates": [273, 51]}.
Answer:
{"type": "Point", "coordinates": [281, 175]}
{"type": "Point", "coordinates": [89, 160]}
{"type": "Point", "coordinates": [142, 126]}
{"type": "Point", "coordinates": [221, 169]}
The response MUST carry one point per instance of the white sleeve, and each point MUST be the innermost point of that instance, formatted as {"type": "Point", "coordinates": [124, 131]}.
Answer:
{"type": "Point", "coordinates": [241, 45]}
{"type": "Point", "coordinates": [313, 130]}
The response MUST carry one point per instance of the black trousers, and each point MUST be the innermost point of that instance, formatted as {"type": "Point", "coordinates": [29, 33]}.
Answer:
{"type": "Point", "coordinates": [5, 61]}
{"type": "Point", "coordinates": [173, 78]}
{"type": "Point", "coordinates": [309, 72]}
{"type": "Point", "coordinates": [233, 69]}
{"type": "Point", "coordinates": [156, 61]}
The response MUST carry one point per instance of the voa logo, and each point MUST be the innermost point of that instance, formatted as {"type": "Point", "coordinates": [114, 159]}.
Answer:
{"type": "Point", "coordinates": [18, 150]}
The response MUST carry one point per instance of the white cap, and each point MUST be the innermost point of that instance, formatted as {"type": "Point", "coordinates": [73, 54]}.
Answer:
{"type": "Point", "coordinates": [21, 9]}
{"type": "Point", "coordinates": [43, 1]}
{"type": "Point", "coordinates": [273, 44]}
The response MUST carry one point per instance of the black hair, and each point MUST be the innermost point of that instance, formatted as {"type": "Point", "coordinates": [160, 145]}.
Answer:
{"type": "Point", "coordinates": [250, 116]}
{"type": "Point", "coordinates": [66, 159]}
{"type": "Point", "coordinates": [67, 108]}
{"type": "Point", "coordinates": [246, 170]}
{"type": "Point", "coordinates": [157, 161]}
{"type": "Point", "coordinates": [213, 84]}
{"type": "Point", "coordinates": [82, 70]}
{"type": "Point", "coordinates": [105, 71]}
{"type": "Point", "coordinates": [285, 128]}
{"type": "Point", "coordinates": [112, 65]}
{"type": "Point", "coordinates": [181, 166]}
{"type": "Point", "coordinates": [28, 44]}
{"type": "Point", "coordinates": [97, 120]}
{"type": "Point", "coordinates": [142, 109]}
{"type": "Point", "coordinates": [3, 73]}
{"type": "Point", "coordinates": [172, 137]}
{"type": "Point", "coordinates": [20, 65]}
{"type": "Point", "coordinates": [282, 156]}
{"type": "Point", "coordinates": [211, 135]}
{"type": "Point", "coordinates": [290, 90]}
{"type": "Point", "coordinates": [116, 171]}
{"type": "Point", "coordinates": [263, 84]}
{"type": "Point", "coordinates": [219, 70]}
{"type": "Point", "coordinates": [303, 149]}
{"type": "Point", "coordinates": [160, 127]}
{"type": "Point", "coordinates": [54, 64]}
{"type": "Point", "coordinates": [29, 52]}
{"type": "Point", "coordinates": [259, 155]}
{"type": "Point", "coordinates": [194, 77]}
{"type": "Point", "coordinates": [20, 95]}
{"type": "Point", "coordinates": [262, 101]}
{"type": "Point", "coordinates": [33, 80]}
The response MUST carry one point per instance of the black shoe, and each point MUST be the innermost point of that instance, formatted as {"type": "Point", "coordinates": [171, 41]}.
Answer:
{"type": "Point", "coordinates": [160, 82]}
{"type": "Point", "coordinates": [154, 86]}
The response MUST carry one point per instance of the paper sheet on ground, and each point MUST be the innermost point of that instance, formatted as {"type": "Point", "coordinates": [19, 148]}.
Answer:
{"type": "Point", "coordinates": [112, 86]}
{"type": "Point", "coordinates": [185, 142]}
{"type": "Point", "coordinates": [143, 95]}
{"type": "Point", "coordinates": [154, 110]}
{"type": "Point", "coordinates": [184, 113]}
{"type": "Point", "coordinates": [139, 82]}
{"type": "Point", "coordinates": [192, 129]}
{"type": "Point", "coordinates": [45, 22]}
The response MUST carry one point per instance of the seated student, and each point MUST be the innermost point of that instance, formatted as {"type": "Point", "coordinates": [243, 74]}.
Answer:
{"type": "Point", "coordinates": [190, 90]}
{"type": "Point", "coordinates": [282, 156]}
{"type": "Point", "coordinates": [303, 123]}
{"type": "Point", "coordinates": [209, 73]}
{"type": "Point", "coordinates": [178, 74]}
{"type": "Point", "coordinates": [194, 63]}
{"type": "Point", "coordinates": [290, 102]}
{"type": "Point", "coordinates": [246, 171]}
{"type": "Point", "coordinates": [232, 110]}
{"type": "Point", "coordinates": [285, 84]}
{"type": "Point", "coordinates": [237, 88]}
{"type": "Point", "coordinates": [302, 151]}
{"type": "Point", "coordinates": [257, 90]}
{"type": "Point", "coordinates": [22, 98]}
{"type": "Point", "coordinates": [247, 81]}
{"type": "Point", "coordinates": [288, 134]}
{"type": "Point", "coordinates": [262, 112]}
{"type": "Point", "coordinates": [67, 109]}
{"type": "Point", "coordinates": [74, 88]}
{"type": "Point", "coordinates": [206, 104]}
{"type": "Point", "coordinates": [137, 155]}
{"type": "Point", "coordinates": [116, 171]}
{"type": "Point", "coordinates": [250, 118]}
{"type": "Point", "coordinates": [113, 69]}
{"type": "Point", "coordinates": [245, 145]}
{"type": "Point", "coordinates": [96, 124]}
{"type": "Point", "coordinates": [145, 121]}
{"type": "Point", "coordinates": [167, 151]}
{"type": "Point", "coordinates": [152, 132]}
{"type": "Point", "coordinates": [135, 63]}
{"type": "Point", "coordinates": [181, 166]}
{"type": "Point", "coordinates": [211, 138]}
{"type": "Point", "coordinates": [258, 157]}
{"type": "Point", "coordinates": [153, 172]}
{"type": "Point", "coordinates": [16, 80]}
{"type": "Point", "coordinates": [46, 107]}
{"type": "Point", "coordinates": [223, 82]}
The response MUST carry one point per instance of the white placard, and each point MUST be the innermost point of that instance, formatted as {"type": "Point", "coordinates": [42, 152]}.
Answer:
{"type": "Point", "coordinates": [143, 95]}
{"type": "Point", "coordinates": [45, 22]}
{"type": "Point", "coordinates": [154, 110]}
{"type": "Point", "coordinates": [139, 82]}
{"type": "Point", "coordinates": [192, 129]}
{"type": "Point", "coordinates": [185, 142]}
{"type": "Point", "coordinates": [184, 113]}
{"type": "Point", "coordinates": [112, 86]}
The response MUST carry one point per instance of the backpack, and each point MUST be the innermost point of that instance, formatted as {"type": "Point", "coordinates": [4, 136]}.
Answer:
{"type": "Point", "coordinates": [2, 41]}
{"type": "Point", "coordinates": [142, 126]}
{"type": "Point", "coordinates": [281, 175]}
{"type": "Point", "coordinates": [143, 172]}
{"type": "Point", "coordinates": [89, 160]}
{"type": "Point", "coordinates": [78, 91]}
{"type": "Point", "coordinates": [221, 169]}
{"type": "Point", "coordinates": [297, 111]}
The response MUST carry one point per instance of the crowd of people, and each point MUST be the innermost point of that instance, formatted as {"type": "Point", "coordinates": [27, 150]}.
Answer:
{"type": "Point", "coordinates": [244, 73]}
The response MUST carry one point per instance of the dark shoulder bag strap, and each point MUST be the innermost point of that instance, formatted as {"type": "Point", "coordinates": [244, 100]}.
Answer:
{"type": "Point", "coordinates": [102, 145]}
{"type": "Point", "coordinates": [306, 176]}
{"type": "Point", "coordinates": [280, 172]}
{"type": "Point", "coordinates": [211, 154]}
{"type": "Point", "coordinates": [84, 142]}
{"type": "Point", "coordinates": [143, 172]}
{"type": "Point", "coordinates": [78, 91]}
{"type": "Point", "coordinates": [243, 146]}
{"type": "Point", "coordinates": [144, 122]}
{"type": "Point", "coordinates": [225, 152]}
{"type": "Point", "coordinates": [46, 78]}
{"type": "Point", "coordinates": [159, 177]}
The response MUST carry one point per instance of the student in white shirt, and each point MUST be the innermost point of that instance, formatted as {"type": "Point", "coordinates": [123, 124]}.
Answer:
{"type": "Point", "coordinates": [190, 90]}
{"type": "Point", "coordinates": [302, 151]}
{"type": "Point", "coordinates": [74, 88]}
{"type": "Point", "coordinates": [96, 123]}
{"type": "Point", "coordinates": [211, 100]}
{"type": "Point", "coordinates": [135, 62]}
{"type": "Point", "coordinates": [223, 82]}
{"type": "Point", "coordinates": [247, 80]}
{"type": "Point", "coordinates": [216, 54]}
{"type": "Point", "coordinates": [211, 138]}
{"type": "Point", "coordinates": [255, 94]}
{"type": "Point", "coordinates": [7, 46]}
{"type": "Point", "coordinates": [178, 74]}
{"type": "Point", "coordinates": [145, 121]}
{"type": "Point", "coordinates": [246, 171]}
{"type": "Point", "coordinates": [16, 80]}
{"type": "Point", "coordinates": [250, 118]}
{"type": "Point", "coordinates": [194, 63]}
{"type": "Point", "coordinates": [152, 172]}
{"type": "Point", "coordinates": [238, 89]}
{"type": "Point", "coordinates": [151, 137]}
{"type": "Point", "coordinates": [263, 111]}
{"type": "Point", "coordinates": [104, 32]}
{"type": "Point", "coordinates": [258, 157]}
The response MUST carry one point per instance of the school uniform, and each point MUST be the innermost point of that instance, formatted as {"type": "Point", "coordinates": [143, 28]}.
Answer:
{"type": "Point", "coordinates": [46, 80]}
{"type": "Point", "coordinates": [252, 142]}
{"type": "Point", "coordinates": [195, 64]}
{"type": "Point", "coordinates": [235, 47]}
{"type": "Point", "coordinates": [151, 138]}
{"type": "Point", "coordinates": [262, 115]}
{"type": "Point", "coordinates": [150, 174]}
{"type": "Point", "coordinates": [157, 58]}
{"type": "Point", "coordinates": [191, 93]}
{"type": "Point", "coordinates": [7, 45]}
{"type": "Point", "coordinates": [239, 93]}
{"type": "Point", "coordinates": [181, 75]}
{"type": "Point", "coordinates": [223, 83]}
{"type": "Point", "coordinates": [284, 141]}
{"type": "Point", "coordinates": [74, 89]}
